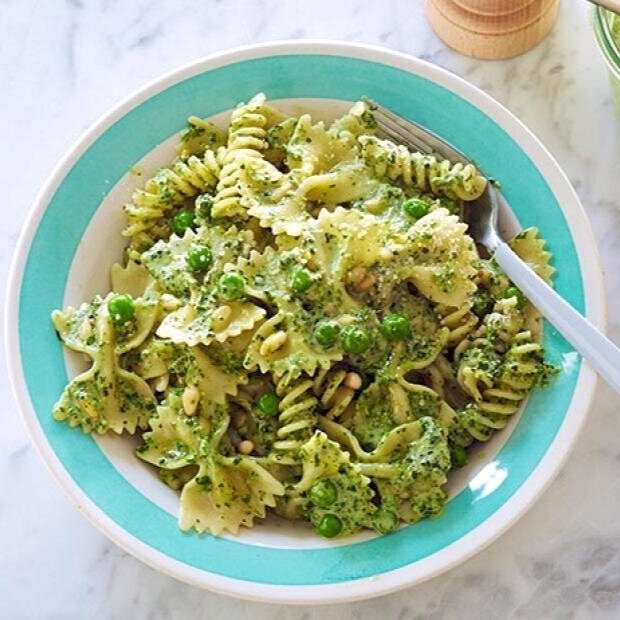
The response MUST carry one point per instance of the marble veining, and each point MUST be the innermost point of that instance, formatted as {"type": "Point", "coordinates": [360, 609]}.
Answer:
{"type": "Point", "coordinates": [62, 64]}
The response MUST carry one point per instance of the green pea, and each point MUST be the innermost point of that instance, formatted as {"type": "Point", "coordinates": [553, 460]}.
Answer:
{"type": "Point", "coordinates": [355, 339]}
{"type": "Point", "coordinates": [482, 303]}
{"type": "Point", "coordinates": [182, 221]}
{"type": "Point", "coordinates": [416, 207]}
{"type": "Point", "coordinates": [326, 333]}
{"type": "Point", "coordinates": [513, 291]}
{"type": "Point", "coordinates": [396, 327]}
{"type": "Point", "coordinates": [269, 403]}
{"type": "Point", "coordinates": [384, 521]}
{"type": "Point", "coordinates": [329, 526]}
{"type": "Point", "coordinates": [300, 280]}
{"type": "Point", "coordinates": [200, 258]}
{"type": "Point", "coordinates": [231, 285]}
{"type": "Point", "coordinates": [458, 456]}
{"type": "Point", "coordinates": [324, 493]}
{"type": "Point", "coordinates": [121, 309]}
{"type": "Point", "coordinates": [204, 204]}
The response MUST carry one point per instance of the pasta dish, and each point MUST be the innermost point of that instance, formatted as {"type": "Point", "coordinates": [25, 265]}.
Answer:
{"type": "Point", "coordinates": [302, 323]}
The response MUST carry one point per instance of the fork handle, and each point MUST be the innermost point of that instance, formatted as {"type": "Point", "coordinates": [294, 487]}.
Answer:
{"type": "Point", "coordinates": [600, 352]}
{"type": "Point", "coordinates": [612, 5]}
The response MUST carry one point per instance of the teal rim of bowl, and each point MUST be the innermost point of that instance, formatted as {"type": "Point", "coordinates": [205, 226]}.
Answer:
{"type": "Point", "coordinates": [140, 130]}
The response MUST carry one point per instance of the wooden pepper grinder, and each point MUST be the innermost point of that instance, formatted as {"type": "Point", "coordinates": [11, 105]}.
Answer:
{"type": "Point", "coordinates": [492, 29]}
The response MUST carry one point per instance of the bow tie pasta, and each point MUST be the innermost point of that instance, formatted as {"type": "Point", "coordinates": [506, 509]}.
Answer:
{"type": "Point", "coordinates": [302, 323]}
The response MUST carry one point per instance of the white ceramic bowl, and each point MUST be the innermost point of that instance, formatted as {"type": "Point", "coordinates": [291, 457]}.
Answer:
{"type": "Point", "coordinates": [72, 235]}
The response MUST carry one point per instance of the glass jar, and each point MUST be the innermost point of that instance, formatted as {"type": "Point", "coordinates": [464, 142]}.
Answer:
{"type": "Point", "coordinates": [607, 31]}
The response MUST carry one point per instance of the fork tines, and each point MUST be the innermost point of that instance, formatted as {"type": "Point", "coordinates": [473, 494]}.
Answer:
{"type": "Point", "coordinates": [392, 128]}
{"type": "Point", "coordinates": [413, 136]}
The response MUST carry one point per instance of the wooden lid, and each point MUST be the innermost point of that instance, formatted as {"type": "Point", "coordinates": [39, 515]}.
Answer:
{"type": "Point", "coordinates": [492, 29]}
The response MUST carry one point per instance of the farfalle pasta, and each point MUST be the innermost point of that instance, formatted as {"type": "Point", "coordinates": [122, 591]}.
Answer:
{"type": "Point", "coordinates": [302, 324]}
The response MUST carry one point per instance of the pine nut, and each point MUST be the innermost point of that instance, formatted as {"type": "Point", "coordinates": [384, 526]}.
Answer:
{"type": "Point", "coordinates": [312, 263]}
{"type": "Point", "coordinates": [245, 447]}
{"type": "Point", "coordinates": [356, 275]}
{"type": "Point", "coordinates": [360, 278]}
{"type": "Point", "coordinates": [346, 319]}
{"type": "Point", "coordinates": [367, 282]}
{"type": "Point", "coordinates": [161, 383]}
{"type": "Point", "coordinates": [221, 317]}
{"type": "Point", "coordinates": [352, 380]}
{"type": "Point", "coordinates": [170, 302]}
{"type": "Point", "coordinates": [190, 399]}
{"type": "Point", "coordinates": [273, 343]}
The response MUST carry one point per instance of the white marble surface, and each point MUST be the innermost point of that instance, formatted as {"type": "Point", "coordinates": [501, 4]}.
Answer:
{"type": "Point", "coordinates": [62, 64]}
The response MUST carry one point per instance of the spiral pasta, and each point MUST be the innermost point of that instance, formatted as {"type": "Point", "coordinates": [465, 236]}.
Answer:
{"type": "Point", "coordinates": [335, 390]}
{"type": "Point", "coordinates": [296, 418]}
{"type": "Point", "coordinates": [501, 384]}
{"type": "Point", "coordinates": [200, 136]}
{"type": "Point", "coordinates": [460, 321]}
{"type": "Point", "coordinates": [169, 188]}
{"type": "Point", "coordinates": [426, 172]}
{"type": "Point", "coordinates": [439, 373]}
{"type": "Point", "coordinates": [246, 143]}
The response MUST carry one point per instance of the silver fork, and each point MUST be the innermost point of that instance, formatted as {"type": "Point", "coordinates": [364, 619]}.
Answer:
{"type": "Point", "coordinates": [481, 216]}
